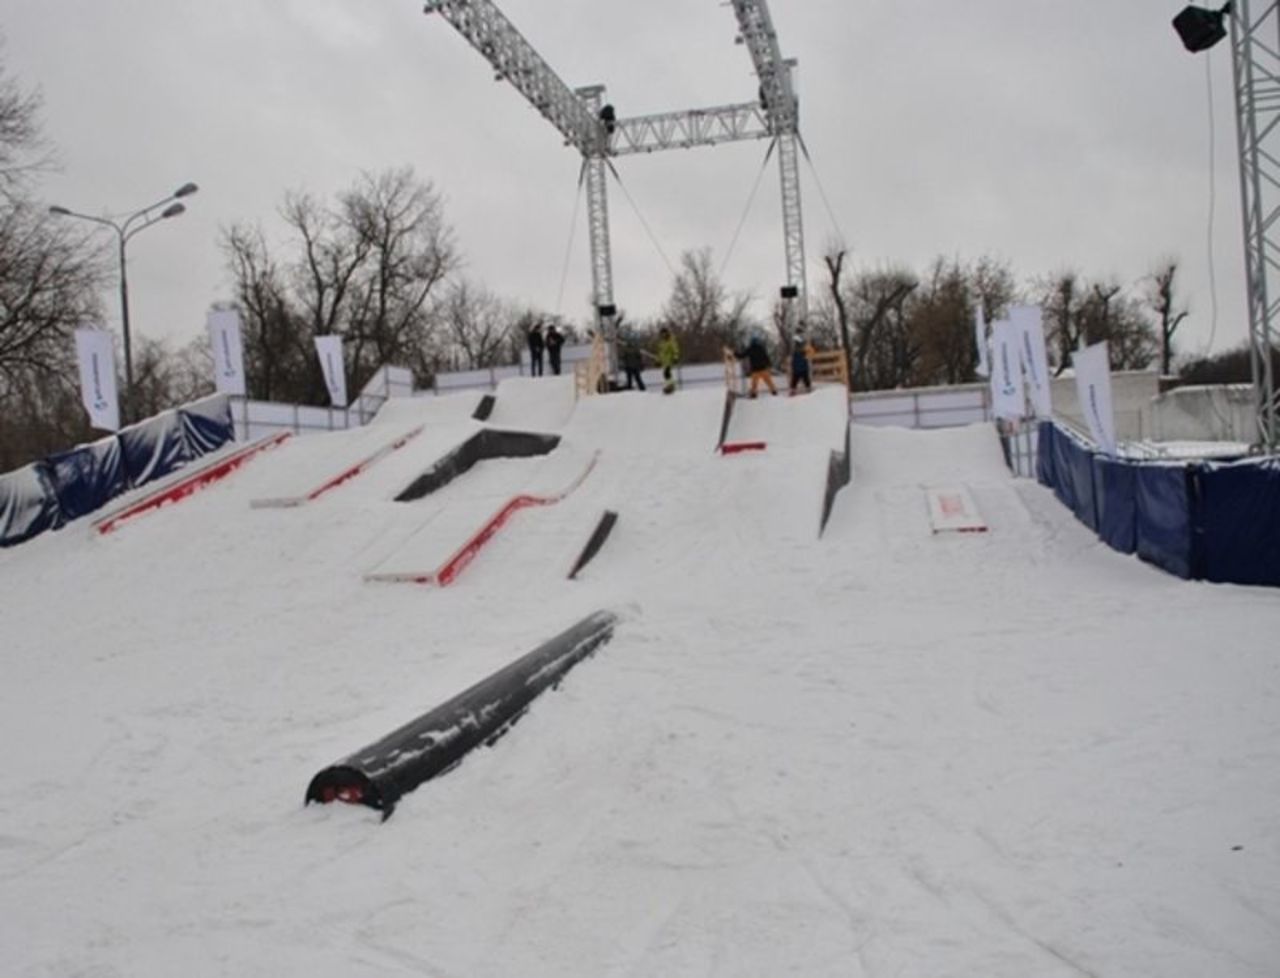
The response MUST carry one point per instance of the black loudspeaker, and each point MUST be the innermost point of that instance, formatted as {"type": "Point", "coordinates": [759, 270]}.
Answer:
{"type": "Point", "coordinates": [609, 310]}
{"type": "Point", "coordinates": [789, 292]}
{"type": "Point", "coordinates": [1200, 29]}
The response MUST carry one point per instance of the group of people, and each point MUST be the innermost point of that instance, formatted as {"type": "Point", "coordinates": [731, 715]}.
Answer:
{"type": "Point", "coordinates": [759, 368]}
{"type": "Point", "coordinates": [631, 359]}
{"type": "Point", "coordinates": [758, 365]}
{"type": "Point", "coordinates": [551, 343]}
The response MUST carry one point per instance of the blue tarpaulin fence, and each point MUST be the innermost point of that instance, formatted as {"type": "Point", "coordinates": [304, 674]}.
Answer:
{"type": "Point", "coordinates": [1214, 521]}
{"type": "Point", "coordinates": [48, 494]}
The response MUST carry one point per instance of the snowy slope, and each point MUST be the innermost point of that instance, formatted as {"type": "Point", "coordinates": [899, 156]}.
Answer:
{"type": "Point", "coordinates": [885, 753]}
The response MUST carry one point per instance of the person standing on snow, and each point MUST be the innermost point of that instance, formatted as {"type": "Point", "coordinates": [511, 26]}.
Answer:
{"type": "Point", "coordinates": [535, 350]}
{"type": "Point", "coordinates": [801, 351]}
{"type": "Point", "coordinates": [554, 342]}
{"type": "Point", "coordinates": [758, 366]}
{"type": "Point", "coordinates": [668, 357]}
{"type": "Point", "coordinates": [632, 363]}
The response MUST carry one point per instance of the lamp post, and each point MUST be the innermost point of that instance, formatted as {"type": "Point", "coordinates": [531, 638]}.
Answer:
{"type": "Point", "coordinates": [1255, 64]}
{"type": "Point", "coordinates": [126, 229]}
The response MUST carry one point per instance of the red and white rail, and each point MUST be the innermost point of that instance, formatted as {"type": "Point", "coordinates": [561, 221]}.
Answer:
{"type": "Point", "coordinates": [192, 480]}
{"type": "Point", "coordinates": [448, 572]}
{"type": "Point", "coordinates": [284, 502]}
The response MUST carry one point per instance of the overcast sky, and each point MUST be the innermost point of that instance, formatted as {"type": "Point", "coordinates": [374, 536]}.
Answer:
{"type": "Point", "coordinates": [1051, 135]}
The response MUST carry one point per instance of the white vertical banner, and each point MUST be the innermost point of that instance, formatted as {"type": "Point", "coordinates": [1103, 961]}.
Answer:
{"type": "Point", "coordinates": [983, 369]}
{"type": "Point", "coordinates": [1093, 384]}
{"type": "Point", "coordinates": [1028, 322]}
{"type": "Point", "coordinates": [1007, 398]}
{"type": "Point", "coordinates": [228, 351]}
{"type": "Point", "coordinates": [96, 355]}
{"type": "Point", "coordinates": [329, 349]}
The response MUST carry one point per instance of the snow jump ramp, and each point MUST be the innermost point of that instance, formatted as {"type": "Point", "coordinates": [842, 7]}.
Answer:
{"type": "Point", "coordinates": [382, 773]}
{"type": "Point", "coordinates": [488, 443]}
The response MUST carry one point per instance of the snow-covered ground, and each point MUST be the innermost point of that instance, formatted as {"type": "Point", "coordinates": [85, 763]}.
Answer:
{"type": "Point", "coordinates": [882, 753]}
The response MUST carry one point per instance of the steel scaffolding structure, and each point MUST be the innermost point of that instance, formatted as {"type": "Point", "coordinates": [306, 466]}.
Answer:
{"type": "Point", "coordinates": [1255, 43]}
{"type": "Point", "coordinates": [589, 125]}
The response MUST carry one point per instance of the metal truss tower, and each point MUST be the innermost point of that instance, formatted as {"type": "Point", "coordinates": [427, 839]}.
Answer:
{"type": "Point", "coordinates": [1255, 42]}
{"type": "Point", "coordinates": [589, 125]}
{"type": "Point", "coordinates": [778, 96]}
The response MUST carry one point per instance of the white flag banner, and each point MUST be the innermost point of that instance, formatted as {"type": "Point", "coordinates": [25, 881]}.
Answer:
{"type": "Point", "coordinates": [1093, 384]}
{"type": "Point", "coordinates": [97, 358]}
{"type": "Point", "coordinates": [983, 369]}
{"type": "Point", "coordinates": [1007, 398]}
{"type": "Point", "coordinates": [1035, 357]}
{"type": "Point", "coordinates": [329, 349]}
{"type": "Point", "coordinates": [228, 351]}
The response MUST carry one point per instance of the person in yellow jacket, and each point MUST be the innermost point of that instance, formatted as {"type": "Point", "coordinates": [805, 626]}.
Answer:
{"type": "Point", "coordinates": [668, 357]}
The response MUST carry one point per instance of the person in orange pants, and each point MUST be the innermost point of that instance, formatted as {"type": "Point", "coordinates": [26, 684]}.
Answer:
{"type": "Point", "coordinates": [759, 368]}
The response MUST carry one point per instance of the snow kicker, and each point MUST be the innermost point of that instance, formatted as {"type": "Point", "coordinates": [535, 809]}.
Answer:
{"type": "Point", "coordinates": [485, 444]}
{"type": "Point", "coordinates": [382, 773]}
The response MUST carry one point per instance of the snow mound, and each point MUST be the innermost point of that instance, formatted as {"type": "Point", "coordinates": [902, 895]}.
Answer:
{"type": "Point", "coordinates": [808, 420]}
{"type": "Point", "coordinates": [687, 421]}
{"type": "Point", "coordinates": [885, 456]}
{"type": "Point", "coordinates": [533, 403]}
{"type": "Point", "coordinates": [427, 408]}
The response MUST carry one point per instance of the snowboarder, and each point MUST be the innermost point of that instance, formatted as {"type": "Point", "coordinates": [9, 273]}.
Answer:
{"type": "Point", "coordinates": [668, 357]}
{"type": "Point", "coordinates": [758, 366]}
{"type": "Point", "coordinates": [535, 350]}
{"type": "Point", "coordinates": [554, 341]}
{"type": "Point", "coordinates": [801, 351]}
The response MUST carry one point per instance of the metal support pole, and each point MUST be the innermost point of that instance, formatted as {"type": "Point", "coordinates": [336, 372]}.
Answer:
{"type": "Point", "coordinates": [124, 325]}
{"type": "Point", "coordinates": [1255, 43]}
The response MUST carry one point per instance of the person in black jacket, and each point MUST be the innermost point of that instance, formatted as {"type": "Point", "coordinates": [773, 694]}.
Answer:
{"type": "Point", "coordinates": [535, 350]}
{"type": "Point", "coordinates": [633, 363]}
{"type": "Point", "coordinates": [758, 366]}
{"type": "Point", "coordinates": [554, 342]}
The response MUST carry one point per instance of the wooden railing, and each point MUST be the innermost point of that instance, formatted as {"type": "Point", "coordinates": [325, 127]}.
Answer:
{"type": "Point", "coordinates": [589, 374]}
{"type": "Point", "coordinates": [829, 367]}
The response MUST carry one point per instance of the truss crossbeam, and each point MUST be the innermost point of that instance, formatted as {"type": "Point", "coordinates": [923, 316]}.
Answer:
{"type": "Point", "coordinates": [514, 59]}
{"type": "Point", "coordinates": [756, 29]}
{"type": "Point", "coordinates": [694, 127]}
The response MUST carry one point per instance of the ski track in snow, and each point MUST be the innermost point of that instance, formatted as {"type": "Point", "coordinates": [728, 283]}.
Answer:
{"type": "Point", "coordinates": [885, 753]}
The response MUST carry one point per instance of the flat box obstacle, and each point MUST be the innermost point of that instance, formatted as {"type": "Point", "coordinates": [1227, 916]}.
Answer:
{"type": "Point", "coordinates": [382, 773]}
{"type": "Point", "coordinates": [952, 510]}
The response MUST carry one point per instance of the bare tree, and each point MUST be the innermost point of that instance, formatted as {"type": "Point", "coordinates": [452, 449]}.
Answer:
{"type": "Point", "coordinates": [366, 269]}
{"type": "Point", "coordinates": [478, 326]}
{"type": "Point", "coordinates": [834, 259]}
{"type": "Point", "coordinates": [1160, 298]}
{"type": "Point", "coordinates": [22, 148]}
{"type": "Point", "coordinates": [700, 310]}
{"type": "Point", "coordinates": [49, 278]}
{"type": "Point", "coordinates": [275, 342]}
{"type": "Point", "coordinates": [993, 287]}
{"type": "Point", "coordinates": [1108, 314]}
{"type": "Point", "coordinates": [410, 252]}
{"type": "Point", "coordinates": [883, 352]}
{"type": "Point", "coordinates": [1080, 313]}
{"type": "Point", "coordinates": [1060, 298]}
{"type": "Point", "coordinates": [942, 323]}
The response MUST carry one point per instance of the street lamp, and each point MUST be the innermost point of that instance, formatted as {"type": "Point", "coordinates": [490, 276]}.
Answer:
{"type": "Point", "coordinates": [126, 229]}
